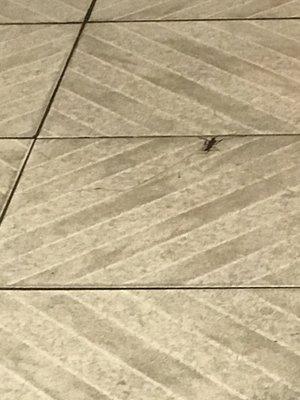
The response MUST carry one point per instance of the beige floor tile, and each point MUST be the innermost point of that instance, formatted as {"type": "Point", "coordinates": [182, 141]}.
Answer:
{"type": "Point", "coordinates": [155, 212]}
{"type": "Point", "coordinates": [149, 79]}
{"type": "Point", "coordinates": [42, 10]}
{"type": "Point", "coordinates": [187, 9]}
{"type": "Point", "coordinates": [170, 345]}
{"type": "Point", "coordinates": [12, 153]}
{"type": "Point", "coordinates": [29, 72]}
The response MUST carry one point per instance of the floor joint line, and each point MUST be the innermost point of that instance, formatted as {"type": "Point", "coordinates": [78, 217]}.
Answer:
{"type": "Point", "coordinates": [19, 23]}
{"type": "Point", "coordinates": [144, 288]}
{"type": "Point", "coordinates": [149, 136]}
{"type": "Point", "coordinates": [46, 112]}
{"type": "Point", "coordinates": [128, 21]}
{"type": "Point", "coordinates": [152, 20]}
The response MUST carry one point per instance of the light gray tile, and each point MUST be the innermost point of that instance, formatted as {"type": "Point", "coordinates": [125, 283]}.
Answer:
{"type": "Point", "coordinates": [12, 153]}
{"type": "Point", "coordinates": [42, 10]}
{"type": "Point", "coordinates": [195, 78]}
{"type": "Point", "coordinates": [170, 345]}
{"type": "Point", "coordinates": [31, 59]}
{"type": "Point", "coordinates": [187, 9]}
{"type": "Point", "coordinates": [155, 212]}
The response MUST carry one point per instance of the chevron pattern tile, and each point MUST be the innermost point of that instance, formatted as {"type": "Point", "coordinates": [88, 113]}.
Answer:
{"type": "Point", "coordinates": [12, 153]}
{"type": "Point", "coordinates": [42, 10]}
{"type": "Point", "coordinates": [172, 345]}
{"type": "Point", "coordinates": [197, 9]}
{"type": "Point", "coordinates": [149, 200]}
{"type": "Point", "coordinates": [29, 73]}
{"type": "Point", "coordinates": [170, 79]}
{"type": "Point", "coordinates": [155, 212]}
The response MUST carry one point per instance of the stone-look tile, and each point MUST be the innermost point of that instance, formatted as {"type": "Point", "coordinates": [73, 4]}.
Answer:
{"type": "Point", "coordinates": [31, 59]}
{"type": "Point", "coordinates": [187, 9]}
{"type": "Point", "coordinates": [143, 79]}
{"type": "Point", "coordinates": [43, 10]}
{"type": "Point", "coordinates": [169, 345]}
{"type": "Point", "coordinates": [12, 153]}
{"type": "Point", "coordinates": [155, 212]}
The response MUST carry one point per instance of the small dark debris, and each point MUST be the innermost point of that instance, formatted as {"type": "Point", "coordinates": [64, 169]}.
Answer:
{"type": "Point", "coordinates": [210, 143]}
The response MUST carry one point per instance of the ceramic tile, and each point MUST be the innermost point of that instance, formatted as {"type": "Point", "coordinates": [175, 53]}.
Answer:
{"type": "Point", "coordinates": [12, 153]}
{"type": "Point", "coordinates": [29, 73]}
{"type": "Point", "coordinates": [189, 9]}
{"type": "Point", "coordinates": [150, 79]}
{"type": "Point", "coordinates": [225, 345]}
{"type": "Point", "coordinates": [155, 212]}
{"type": "Point", "coordinates": [40, 11]}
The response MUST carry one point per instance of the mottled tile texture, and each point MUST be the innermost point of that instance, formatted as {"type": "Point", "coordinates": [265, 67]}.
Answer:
{"type": "Point", "coordinates": [182, 78]}
{"type": "Point", "coordinates": [12, 153]}
{"type": "Point", "coordinates": [42, 10]}
{"type": "Point", "coordinates": [28, 73]}
{"type": "Point", "coordinates": [198, 252]}
{"type": "Point", "coordinates": [189, 9]}
{"type": "Point", "coordinates": [223, 345]}
{"type": "Point", "coordinates": [155, 212]}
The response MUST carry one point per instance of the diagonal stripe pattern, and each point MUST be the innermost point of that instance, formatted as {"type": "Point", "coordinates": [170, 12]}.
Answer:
{"type": "Point", "coordinates": [193, 9]}
{"type": "Point", "coordinates": [170, 79]}
{"type": "Point", "coordinates": [12, 152]}
{"type": "Point", "coordinates": [225, 345]}
{"type": "Point", "coordinates": [28, 74]}
{"type": "Point", "coordinates": [40, 11]}
{"type": "Point", "coordinates": [132, 202]}
{"type": "Point", "coordinates": [155, 212]}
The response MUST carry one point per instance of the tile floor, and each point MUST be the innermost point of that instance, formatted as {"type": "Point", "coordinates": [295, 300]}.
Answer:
{"type": "Point", "coordinates": [136, 262]}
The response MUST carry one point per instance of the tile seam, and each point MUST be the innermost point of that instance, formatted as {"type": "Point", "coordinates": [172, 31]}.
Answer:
{"type": "Point", "coordinates": [128, 21]}
{"type": "Point", "coordinates": [150, 136]}
{"type": "Point", "coordinates": [45, 114]}
{"type": "Point", "coordinates": [147, 288]}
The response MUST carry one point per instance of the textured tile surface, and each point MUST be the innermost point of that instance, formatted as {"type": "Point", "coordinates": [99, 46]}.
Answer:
{"type": "Point", "coordinates": [12, 152]}
{"type": "Point", "coordinates": [155, 212]}
{"type": "Point", "coordinates": [42, 10]}
{"type": "Point", "coordinates": [181, 79]}
{"type": "Point", "coordinates": [223, 345]}
{"type": "Point", "coordinates": [28, 73]}
{"type": "Point", "coordinates": [187, 9]}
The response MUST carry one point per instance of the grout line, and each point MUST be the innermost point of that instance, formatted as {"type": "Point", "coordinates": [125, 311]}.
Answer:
{"type": "Point", "coordinates": [41, 23]}
{"type": "Point", "coordinates": [15, 185]}
{"type": "Point", "coordinates": [16, 137]}
{"type": "Point", "coordinates": [128, 21]}
{"type": "Point", "coordinates": [147, 136]}
{"type": "Point", "coordinates": [20, 173]}
{"type": "Point", "coordinates": [114, 21]}
{"type": "Point", "coordinates": [167, 136]}
{"type": "Point", "coordinates": [86, 18]}
{"type": "Point", "coordinates": [144, 288]}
